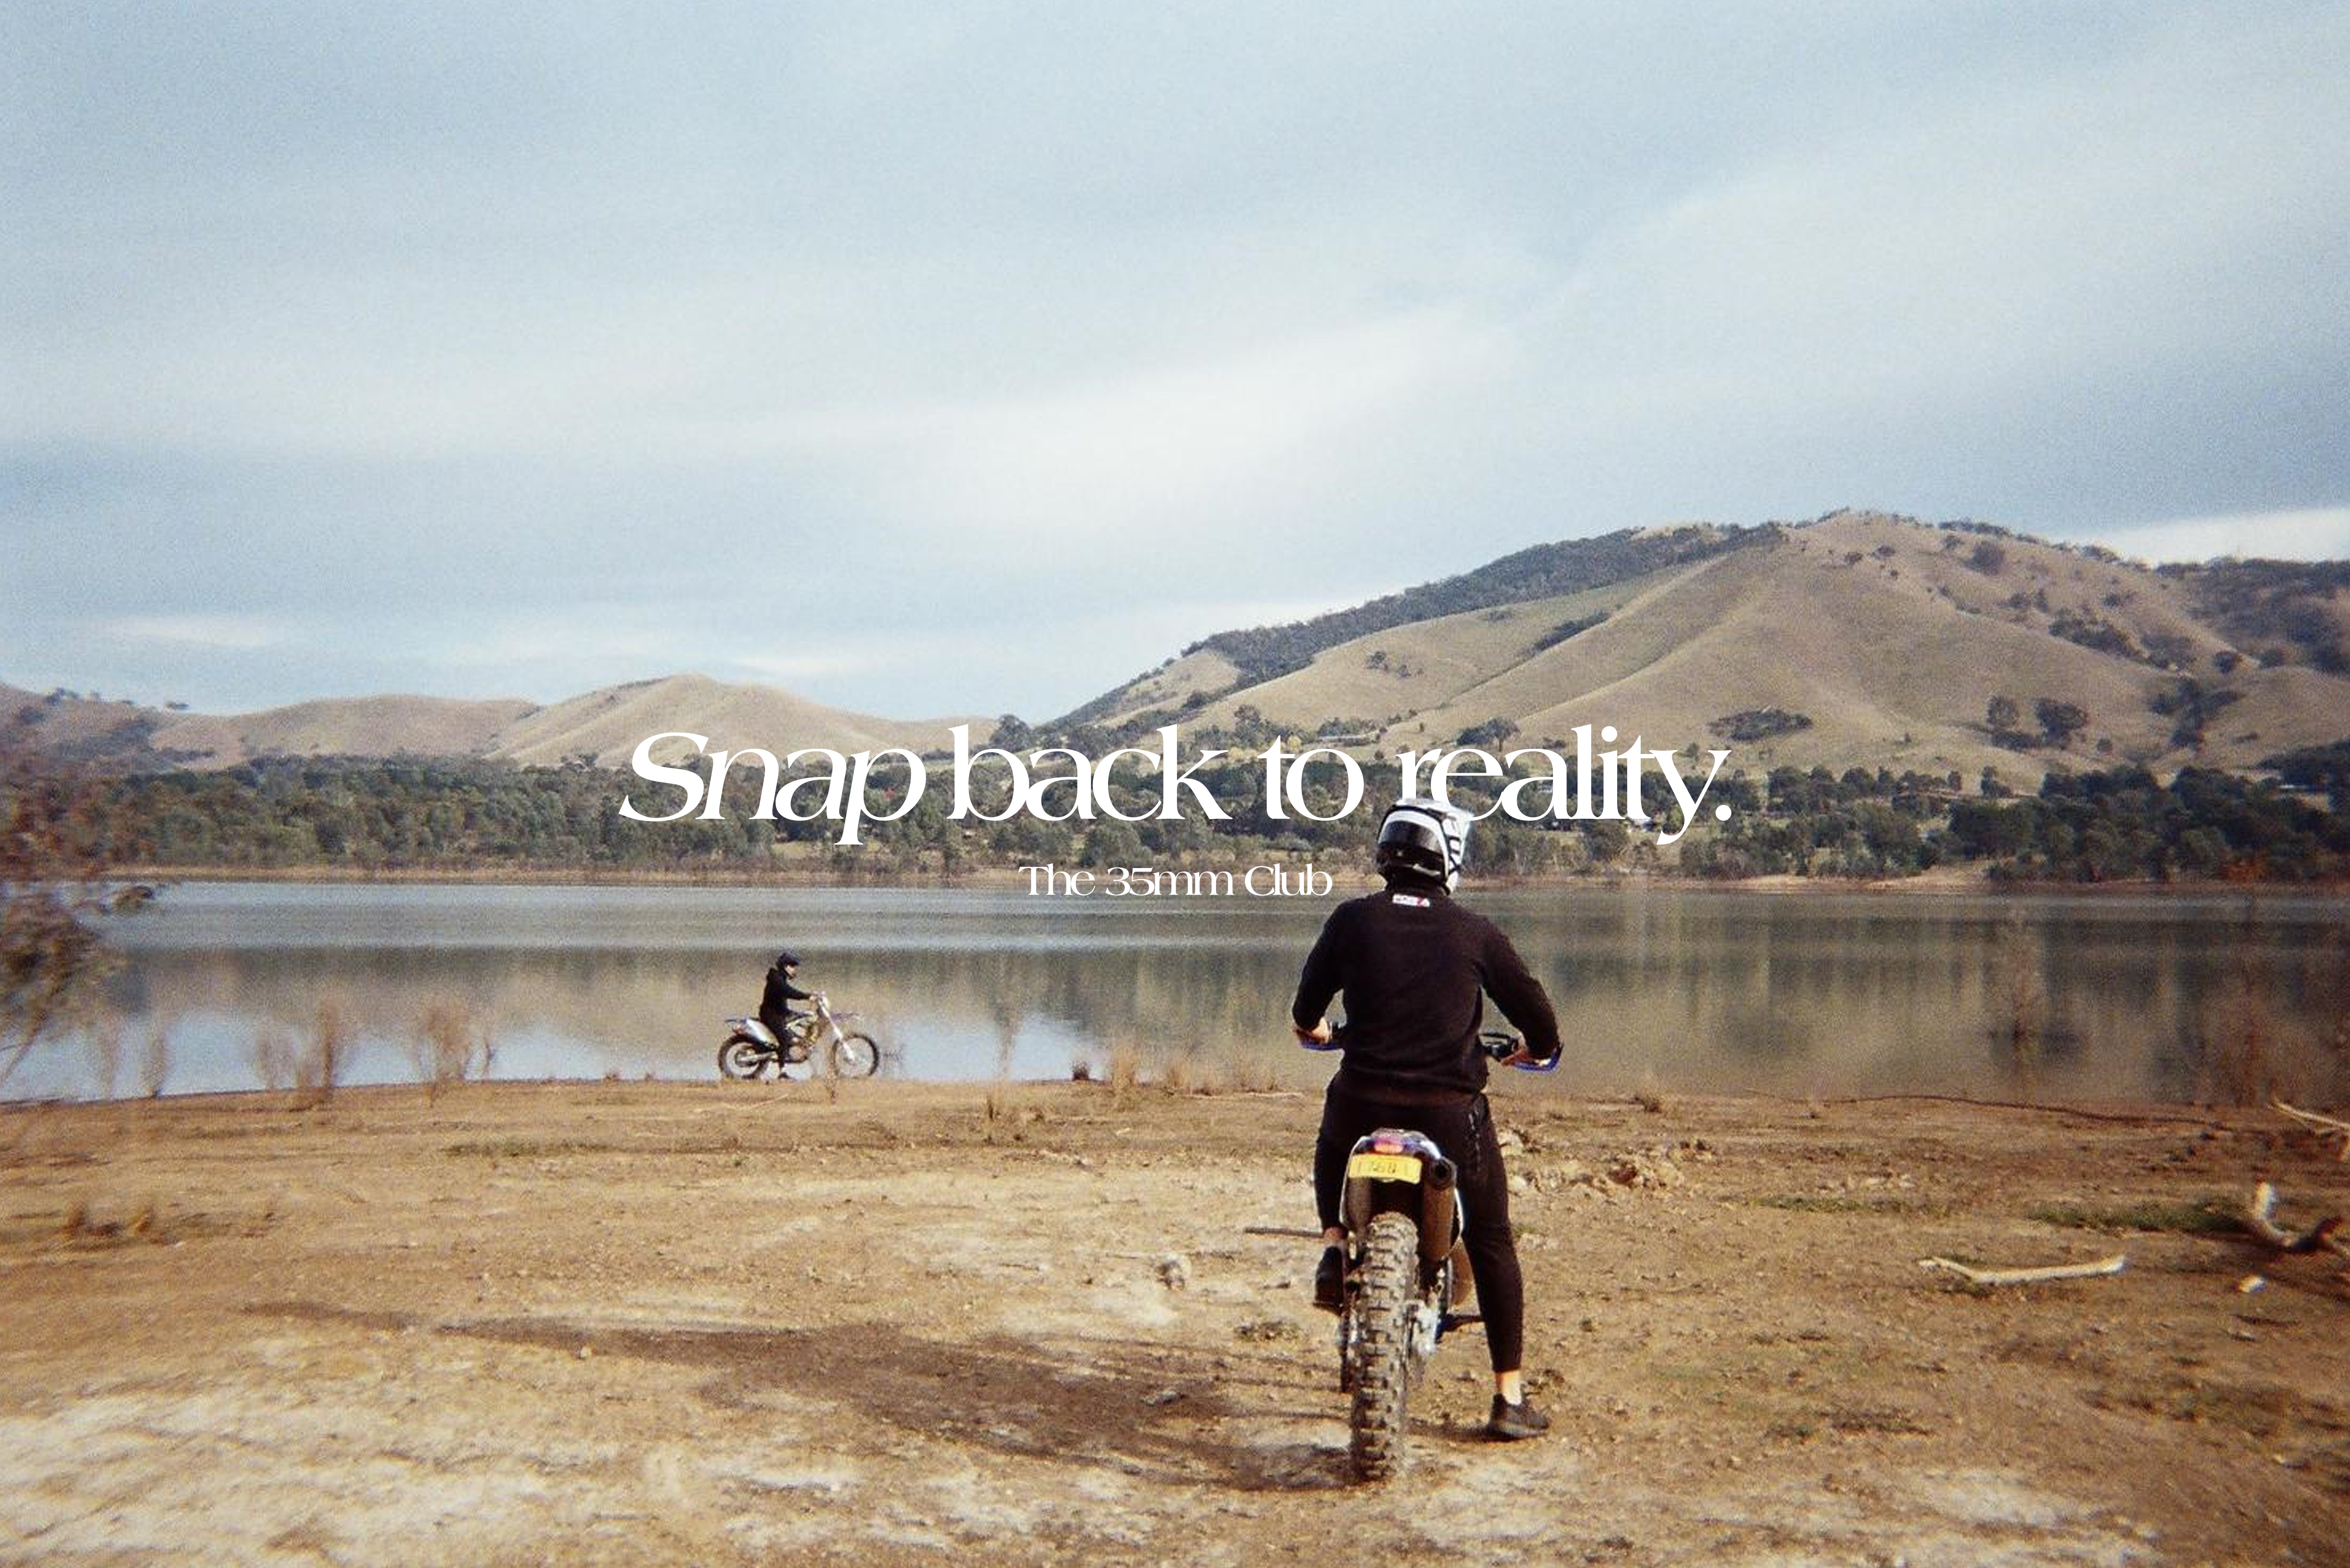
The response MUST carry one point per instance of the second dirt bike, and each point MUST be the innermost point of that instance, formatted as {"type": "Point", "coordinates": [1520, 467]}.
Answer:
{"type": "Point", "coordinates": [815, 1038]}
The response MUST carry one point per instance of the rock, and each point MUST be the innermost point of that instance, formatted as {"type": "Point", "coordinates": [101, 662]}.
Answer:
{"type": "Point", "coordinates": [1165, 1397]}
{"type": "Point", "coordinates": [1175, 1272]}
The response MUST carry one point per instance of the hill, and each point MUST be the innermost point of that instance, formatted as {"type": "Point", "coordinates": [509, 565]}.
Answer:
{"type": "Point", "coordinates": [603, 726]}
{"type": "Point", "coordinates": [120, 733]}
{"type": "Point", "coordinates": [606, 725]}
{"type": "Point", "coordinates": [1858, 639]}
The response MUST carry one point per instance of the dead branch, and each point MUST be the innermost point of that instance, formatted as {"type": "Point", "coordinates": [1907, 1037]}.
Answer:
{"type": "Point", "coordinates": [1974, 1276]}
{"type": "Point", "coordinates": [2258, 1219]}
{"type": "Point", "coordinates": [2324, 1127]}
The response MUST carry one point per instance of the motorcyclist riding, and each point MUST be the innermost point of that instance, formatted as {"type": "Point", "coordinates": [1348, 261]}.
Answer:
{"type": "Point", "coordinates": [774, 1001]}
{"type": "Point", "coordinates": [1414, 966]}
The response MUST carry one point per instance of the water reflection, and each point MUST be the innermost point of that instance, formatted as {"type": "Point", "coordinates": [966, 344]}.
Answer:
{"type": "Point", "coordinates": [1816, 993]}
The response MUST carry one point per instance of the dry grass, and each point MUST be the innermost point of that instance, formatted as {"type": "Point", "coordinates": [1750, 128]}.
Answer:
{"type": "Point", "coordinates": [2023, 1004]}
{"type": "Point", "coordinates": [320, 1069]}
{"type": "Point", "coordinates": [104, 1039]}
{"type": "Point", "coordinates": [452, 1044]}
{"type": "Point", "coordinates": [155, 1061]}
{"type": "Point", "coordinates": [1125, 1075]}
{"type": "Point", "coordinates": [1249, 1075]}
{"type": "Point", "coordinates": [144, 1223]}
{"type": "Point", "coordinates": [2213, 1215]}
{"type": "Point", "coordinates": [271, 1056]}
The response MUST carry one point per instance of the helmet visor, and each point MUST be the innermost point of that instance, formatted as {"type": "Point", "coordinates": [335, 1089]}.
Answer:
{"type": "Point", "coordinates": [1416, 842]}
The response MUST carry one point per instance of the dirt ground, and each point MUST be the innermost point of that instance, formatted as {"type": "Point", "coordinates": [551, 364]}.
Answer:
{"type": "Point", "coordinates": [900, 1324]}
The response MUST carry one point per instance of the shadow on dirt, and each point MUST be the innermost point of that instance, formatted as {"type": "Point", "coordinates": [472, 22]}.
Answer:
{"type": "Point", "coordinates": [1136, 1409]}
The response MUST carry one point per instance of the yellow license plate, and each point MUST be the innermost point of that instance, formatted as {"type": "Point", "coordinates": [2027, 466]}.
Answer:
{"type": "Point", "coordinates": [1383, 1167]}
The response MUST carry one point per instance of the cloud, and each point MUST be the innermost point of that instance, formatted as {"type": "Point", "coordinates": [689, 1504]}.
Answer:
{"type": "Point", "coordinates": [1023, 335]}
{"type": "Point", "coordinates": [200, 631]}
{"type": "Point", "coordinates": [2311, 534]}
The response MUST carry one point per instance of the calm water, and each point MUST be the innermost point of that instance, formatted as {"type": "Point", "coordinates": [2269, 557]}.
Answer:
{"type": "Point", "coordinates": [1813, 994]}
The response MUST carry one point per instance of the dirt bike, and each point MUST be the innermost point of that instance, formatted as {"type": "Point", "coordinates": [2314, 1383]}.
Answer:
{"type": "Point", "coordinates": [752, 1051]}
{"type": "Point", "coordinates": [1407, 1275]}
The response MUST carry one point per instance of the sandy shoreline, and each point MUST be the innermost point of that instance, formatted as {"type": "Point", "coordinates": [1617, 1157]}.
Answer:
{"type": "Point", "coordinates": [720, 1324]}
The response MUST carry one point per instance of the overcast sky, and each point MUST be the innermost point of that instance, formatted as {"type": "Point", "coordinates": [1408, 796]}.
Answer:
{"type": "Point", "coordinates": [971, 358]}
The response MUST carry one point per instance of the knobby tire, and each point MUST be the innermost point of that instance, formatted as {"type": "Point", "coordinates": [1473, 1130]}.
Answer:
{"type": "Point", "coordinates": [741, 1058]}
{"type": "Point", "coordinates": [855, 1056]}
{"type": "Point", "coordinates": [1387, 1280]}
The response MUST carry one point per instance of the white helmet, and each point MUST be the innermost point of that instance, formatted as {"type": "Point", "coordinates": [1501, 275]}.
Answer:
{"type": "Point", "coordinates": [1427, 838]}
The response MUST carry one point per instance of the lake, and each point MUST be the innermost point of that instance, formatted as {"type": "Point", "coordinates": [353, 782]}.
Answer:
{"type": "Point", "coordinates": [1816, 992]}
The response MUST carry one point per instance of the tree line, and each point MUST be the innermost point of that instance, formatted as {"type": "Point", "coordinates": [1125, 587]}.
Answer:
{"type": "Point", "coordinates": [2119, 823]}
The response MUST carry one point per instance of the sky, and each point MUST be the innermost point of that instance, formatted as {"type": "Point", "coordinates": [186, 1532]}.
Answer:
{"type": "Point", "coordinates": [973, 359]}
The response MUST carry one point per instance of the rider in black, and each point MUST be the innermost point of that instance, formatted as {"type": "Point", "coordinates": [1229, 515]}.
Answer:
{"type": "Point", "coordinates": [774, 1001]}
{"type": "Point", "coordinates": [1415, 967]}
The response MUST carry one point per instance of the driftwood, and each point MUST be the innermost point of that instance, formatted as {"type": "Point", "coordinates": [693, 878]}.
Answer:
{"type": "Point", "coordinates": [2324, 1127]}
{"type": "Point", "coordinates": [1974, 1276]}
{"type": "Point", "coordinates": [2318, 1237]}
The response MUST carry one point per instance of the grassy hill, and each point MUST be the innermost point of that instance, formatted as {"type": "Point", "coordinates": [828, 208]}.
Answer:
{"type": "Point", "coordinates": [603, 726]}
{"type": "Point", "coordinates": [1859, 639]}
{"type": "Point", "coordinates": [607, 725]}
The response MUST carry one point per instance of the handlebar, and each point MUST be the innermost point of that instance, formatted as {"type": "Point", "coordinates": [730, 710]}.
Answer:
{"type": "Point", "coordinates": [1500, 1045]}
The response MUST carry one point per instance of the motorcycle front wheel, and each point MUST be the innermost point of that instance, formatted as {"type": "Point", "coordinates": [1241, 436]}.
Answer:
{"type": "Point", "coordinates": [741, 1058]}
{"type": "Point", "coordinates": [1390, 1278]}
{"type": "Point", "coordinates": [855, 1056]}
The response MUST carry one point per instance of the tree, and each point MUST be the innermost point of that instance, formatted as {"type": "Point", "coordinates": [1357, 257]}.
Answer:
{"type": "Point", "coordinates": [2002, 716]}
{"type": "Point", "coordinates": [51, 956]}
{"type": "Point", "coordinates": [2059, 721]}
{"type": "Point", "coordinates": [1491, 733]}
{"type": "Point", "coordinates": [1112, 844]}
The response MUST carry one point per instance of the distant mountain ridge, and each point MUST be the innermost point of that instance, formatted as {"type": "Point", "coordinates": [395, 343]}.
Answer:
{"type": "Point", "coordinates": [602, 726]}
{"type": "Point", "coordinates": [1857, 639]}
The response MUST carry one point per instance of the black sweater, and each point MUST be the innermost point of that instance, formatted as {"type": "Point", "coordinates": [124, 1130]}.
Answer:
{"type": "Point", "coordinates": [774, 1001]}
{"type": "Point", "coordinates": [1416, 967]}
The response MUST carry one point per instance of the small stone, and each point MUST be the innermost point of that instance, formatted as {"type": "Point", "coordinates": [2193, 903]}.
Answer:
{"type": "Point", "coordinates": [1165, 1397]}
{"type": "Point", "coordinates": [586, 1352]}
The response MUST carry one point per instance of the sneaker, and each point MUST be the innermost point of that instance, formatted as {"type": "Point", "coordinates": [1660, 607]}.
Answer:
{"type": "Point", "coordinates": [1330, 1280]}
{"type": "Point", "coordinates": [1511, 1422]}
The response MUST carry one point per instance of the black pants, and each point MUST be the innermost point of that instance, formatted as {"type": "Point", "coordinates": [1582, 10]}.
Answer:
{"type": "Point", "coordinates": [1465, 1133]}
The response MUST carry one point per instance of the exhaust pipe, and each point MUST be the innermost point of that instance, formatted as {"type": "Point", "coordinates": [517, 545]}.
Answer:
{"type": "Point", "coordinates": [1439, 1211]}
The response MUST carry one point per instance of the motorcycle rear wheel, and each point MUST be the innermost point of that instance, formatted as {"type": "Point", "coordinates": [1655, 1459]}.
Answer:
{"type": "Point", "coordinates": [1387, 1280]}
{"type": "Point", "coordinates": [741, 1058]}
